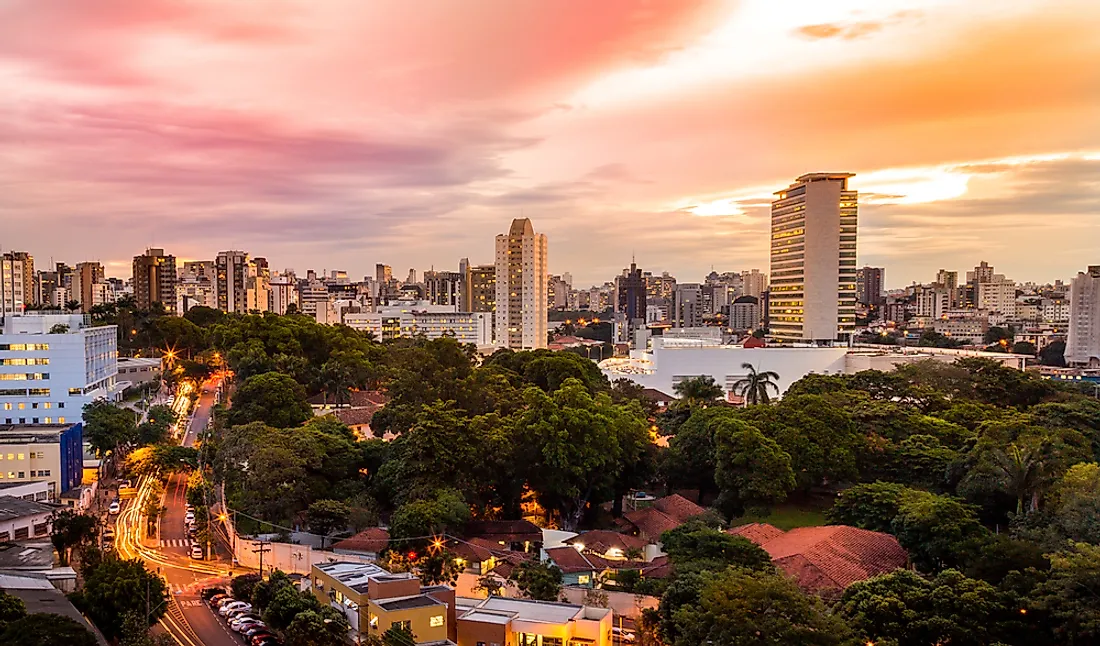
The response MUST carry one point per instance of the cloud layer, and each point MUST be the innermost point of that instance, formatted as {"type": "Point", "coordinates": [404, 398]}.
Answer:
{"type": "Point", "coordinates": [342, 133]}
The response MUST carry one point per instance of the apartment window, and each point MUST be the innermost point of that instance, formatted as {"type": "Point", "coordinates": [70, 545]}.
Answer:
{"type": "Point", "coordinates": [407, 624]}
{"type": "Point", "coordinates": [34, 420]}
{"type": "Point", "coordinates": [436, 621]}
{"type": "Point", "coordinates": [22, 456]}
{"type": "Point", "coordinates": [60, 420]}
{"type": "Point", "coordinates": [46, 404]}
{"type": "Point", "coordinates": [40, 529]}
{"type": "Point", "coordinates": [22, 474]}
{"type": "Point", "coordinates": [7, 406]}
{"type": "Point", "coordinates": [34, 405]}
{"type": "Point", "coordinates": [22, 532]}
{"type": "Point", "coordinates": [4, 536]}
{"type": "Point", "coordinates": [49, 420]}
{"type": "Point", "coordinates": [61, 404]}
{"type": "Point", "coordinates": [22, 406]}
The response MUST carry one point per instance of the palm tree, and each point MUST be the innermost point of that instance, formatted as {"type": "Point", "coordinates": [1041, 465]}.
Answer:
{"type": "Point", "coordinates": [72, 306]}
{"type": "Point", "coordinates": [335, 379]}
{"type": "Point", "coordinates": [753, 387]}
{"type": "Point", "coordinates": [703, 389]}
{"type": "Point", "coordinates": [1021, 472]}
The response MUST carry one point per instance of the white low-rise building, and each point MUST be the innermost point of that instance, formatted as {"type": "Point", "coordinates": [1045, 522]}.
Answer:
{"type": "Point", "coordinates": [411, 318]}
{"type": "Point", "coordinates": [51, 365]}
{"type": "Point", "coordinates": [22, 520]}
{"type": "Point", "coordinates": [669, 361]}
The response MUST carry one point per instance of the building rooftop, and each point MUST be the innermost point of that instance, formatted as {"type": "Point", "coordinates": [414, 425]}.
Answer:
{"type": "Point", "coordinates": [39, 595]}
{"type": "Point", "coordinates": [12, 507]}
{"type": "Point", "coordinates": [405, 603]}
{"type": "Point", "coordinates": [548, 612]}
{"type": "Point", "coordinates": [371, 540]}
{"type": "Point", "coordinates": [353, 575]}
{"type": "Point", "coordinates": [602, 541]}
{"type": "Point", "coordinates": [21, 434]}
{"type": "Point", "coordinates": [663, 515]}
{"type": "Point", "coordinates": [26, 556]}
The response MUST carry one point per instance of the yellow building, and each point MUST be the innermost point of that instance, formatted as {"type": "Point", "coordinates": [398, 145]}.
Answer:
{"type": "Point", "coordinates": [374, 600]}
{"type": "Point", "coordinates": [523, 622]}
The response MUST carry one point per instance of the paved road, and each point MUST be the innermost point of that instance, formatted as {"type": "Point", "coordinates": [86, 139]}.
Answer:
{"type": "Point", "coordinates": [189, 621]}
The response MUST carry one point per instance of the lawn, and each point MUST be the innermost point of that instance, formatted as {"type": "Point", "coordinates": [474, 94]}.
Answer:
{"type": "Point", "coordinates": [786, 517]}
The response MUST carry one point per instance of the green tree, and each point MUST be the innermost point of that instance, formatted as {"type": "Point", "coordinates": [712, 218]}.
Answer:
{"type": "Point", "coordinates": [690, 459]}
{"type": "Point", "coordinates": [575, 446]}
{"type": "Point", "coordinates": [695, 547]}
{"type": "Point", "coordinates": [243, 585]}
{"type": "Point", "coordinates": [905, 609]}
{"type": "Point", "coordinates": [272, 398]}
{"type": "Point", "coordinates": [287, 602]}
{"type": "Point", "coordinates": [701, 390]}
{"type": "Point", "coordinates": [398, 635]}
{"type": "Point", "coordinates": [754, 386]}
{"type": "Point", "coordinates": [540, 581]}
{"type": "Point", "coordinates": [871, 505]}
{"type": "Point", "coordinates": [264, 591]}
{"type": "Point", "coordinates": [1071, 594]}
{"type": "Point", "coordinates": [742, 608]}
{"type": "Point", "coordinates": [325, 626]}
{"type": "Point", "coordinates": [12, 609]}
{"type": "Point", "coordinates": [325, 516]}
{"type": "Point", "coordinates": [419, 518]}
{"type": "Point", "coordinates": [135, 632]}
{"type": "Point", "coordinates": [1024, 347]}
{"type": "Point", "coordinates": [438, 567]}
{"type": "Point", "coordinates": [72, 530]}
{"type": "Point", "coordinates": [114, 587]}
{"type": "Point", "coordinates": [938, 531]}
{"type": "Point", "coordinates": [46, 629]}
{"type": "Point", "coordinates": [751, 470]}
{"type": "Point", "coordinates": [108, 427]}
{"type": "Point", "coordinates": [1077, 512]}
{"type": "Point", "coordinates": [1053, 354]}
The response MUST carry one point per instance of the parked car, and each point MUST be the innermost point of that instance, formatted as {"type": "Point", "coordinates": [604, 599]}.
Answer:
{"type": "Point", "coordinates": [234, 615]}
{"type": "Point", "coordinates": [196, 552]}
{"type": "Point", "coordinates": [623, 634]}
{"type": "Point", "coordinates": [258, 630]}
{"type": "Point", "coordinates": [265, 640]}
{"type": "Point", "coordinates": [114, 507]}
{"type": "Point", "coordinates": [209, 594]}
{"type": "Point", "coordinates": [240, 624]}
{"type": "Point", "coordinates": [189, 517]}
{"type": "Point", "coordinates": [218, 603]}
{"type": "Point", "coordinates": [235, 605]}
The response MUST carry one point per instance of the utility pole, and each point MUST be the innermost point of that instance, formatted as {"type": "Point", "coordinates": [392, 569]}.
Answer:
{"type": "Point", "coordinates": [261, 549]}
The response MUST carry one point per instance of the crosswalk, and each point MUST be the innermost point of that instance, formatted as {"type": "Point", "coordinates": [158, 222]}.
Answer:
{"type": "Point", "coordinates": [175, 542]}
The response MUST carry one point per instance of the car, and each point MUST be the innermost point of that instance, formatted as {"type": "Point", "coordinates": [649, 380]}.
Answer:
{"type": "Point", "coordinates": [235, 615]}
{"type": "Point", "coordinates": [114, 507]}
{"type": "Point", "coordinates": [196, 552]}
{"type": "Point", "coordinates": [235, 605]}
{"type": "Point", "coordinates": [644, 495]}
{"type": "Point", "coordinates": [241, 624]}
{"type": "Point", "coordinates": [189, 517]}
{"type": "Point", "coordinates": [108, 535]}
{"type": "Point", "coordinates": [265, 640]}
{"type": "Point", "coordinates": [223, 601]}
{"type": "Point", "coordinates": [256, 630]}
{"type": "Point", "coordinates": [212, 593]}
{"type": "Point", "coordinates": [623, 635]}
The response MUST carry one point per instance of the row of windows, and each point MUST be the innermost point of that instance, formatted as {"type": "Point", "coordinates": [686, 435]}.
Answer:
{"type": "Point", "coordinates": [21, 361]}
{"type": "Point", "coordinates": [24, 376]}
{"type": "Point", "coordinates": [34, 405]}
{"type": "Point", "coordinates": [22, 347]}
{"type": "Point", "coordinates": [35, 420]}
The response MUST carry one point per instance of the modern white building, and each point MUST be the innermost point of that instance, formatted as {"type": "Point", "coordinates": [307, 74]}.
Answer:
{"type": "Point", "coordinates": [668, 361]}
{"type": "Point", "coordinates": [1083, 341]}
{"type": "Point", "coordinates": [998, 295]}
{"type": "Point", "coordinates": [753, 283]}
{"type": "Point", "coordinates": [522, 278]}
{"type": "Point", "coordinates": [284, 292]}
{"type": "Point", "coordinates": [411, 318]}
{"type": "Point", "coordinates": [812, 295]}
{"type": "Point", "coordinates": [51, 365]}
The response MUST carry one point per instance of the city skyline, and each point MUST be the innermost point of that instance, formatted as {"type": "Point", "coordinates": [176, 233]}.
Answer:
{"type": "Point", "coordinates": [659, 134]}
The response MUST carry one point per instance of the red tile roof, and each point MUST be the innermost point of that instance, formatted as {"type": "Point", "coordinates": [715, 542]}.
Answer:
{"type": "Point", "coordinates": [509, 531]}
{"type": "Point", "coordinates": [758, 533]}
{"type": "Point", "coordinates": [358, 399]}
{"type": "Point", "coordinates": [829, 559]}
{"type": "Point", "coordinates": [600, 541]}
{"type": "Point", "coordinates": [658, 568]}
{"type": "Point", "coordinates": [663, 515]}
{"type": "Point", "coordinates": [570, 560]}
{"type": "Point", "coordinates": [354, 416]}
{"type": "Point", "coordinates": [372, 540]}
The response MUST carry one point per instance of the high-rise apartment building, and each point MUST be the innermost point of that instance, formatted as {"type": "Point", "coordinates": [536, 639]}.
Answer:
{"type": "Point", "coordinates": [687, 305]}
{"type": "Point", "coordinates": [26, 261]}
{"type": "Point", "coordinates": [557, 293]}
{"type": "Point", "coordinates": [998, 294]}
{"type": "Point", "coordinates": [869, 286]}
{"type": "Point", "coordinates": [753, 283]}
{"type": "Point", "coordinates": [444, 287]}
{"type": "Point", "coordinates": [88, 285]}
{"type": "Point", "coordinates": [480, 292]}
{"type": "Point", "coordinates": [950, 281]}
{"type": "Point", "coordinates": [231, 281]}
{"type": "Point", "coordinates": [284, 292]}
{"type": "Point", "coordinates": [631, 301]}
{"type": "Point", "coordinates": [155, 280]}
{"type": "Point", "coordinates": [521, 283]}
{"type": "Point", "coordinates": [983, 273]}
{"type": "Point", "coordinates": [13, 297]}
{"type": "Point", "coordinates": [1083, 340]}
{"type": "Point", "coordinates": [812, 295]}
{"type": "Point", "coordinates": [257, 293]}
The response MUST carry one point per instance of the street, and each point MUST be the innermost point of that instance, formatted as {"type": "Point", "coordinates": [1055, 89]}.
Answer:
{"type": "Point", "coordinates": [189, 621]}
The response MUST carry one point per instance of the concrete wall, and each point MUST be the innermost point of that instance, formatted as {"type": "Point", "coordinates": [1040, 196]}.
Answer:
{"type": "Point", "coordinates": [620, 603]}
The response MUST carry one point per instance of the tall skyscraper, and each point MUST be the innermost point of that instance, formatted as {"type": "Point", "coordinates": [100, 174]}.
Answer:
{"type": "Point", "coordinates": [1083, 340]}
{"type": "Point", "coordinates": [257, 293]}
{"type": "Point", "coordinates": [983, 273]}
{"type": "Point", "coordinates": [444, 288]}
{"type": "Point", "coordinates": [88, 285]}
{"type": "Point", "coordinates": [813, 259]}
{"type": "Point", "coordinates": [753, 283]}
{"type": "Point", "coordinates": [13, 298]}
{"type": "Point", "coordinates": [27, 262]}
{"type": "Point", "coordinates": [383, 273]}
{"type": "Point", "coordinates": [869, 286]}
{"type": "Point", "coordinates": [231, 281]}
{"type": "Point", "coordinates": [155, 280]}
{"type": "Point", "coordinates": [631, 290]}
{"type": "Point", "coordinates": [950, 282]}
{"type": "Point", "coordinates": [687, 305]}
{"type": "Point", "coordinates": [521, 283]}
{"type": "Point", "coordinates": [480, 291]}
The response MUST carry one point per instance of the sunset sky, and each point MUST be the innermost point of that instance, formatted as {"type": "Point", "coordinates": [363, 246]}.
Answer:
{"type": "Point", "coordinates": [336, 134]}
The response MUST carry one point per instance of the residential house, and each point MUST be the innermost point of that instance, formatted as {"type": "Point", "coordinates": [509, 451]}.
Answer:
{"type": "Point", "coordinates": [357, 412]}
{"type": "Point", "coordinates": [577, 567]}
{"type": "Point", "coordinates": [826, 560]}
{"type": "Point", "coordinates": [612, 546]}
{"type": "Point", "coordinates": [662, 515]}
{"type": "Point", "coordinates": [514, 535]}
{"type": "Point", "coordinates": [21, 519]}
{"type": "Point", "coordinates": [374, 600]}
{"type": "Point", "coordinates": [500, 621]}
{"type": "Point", "coordinates": [370, 542]}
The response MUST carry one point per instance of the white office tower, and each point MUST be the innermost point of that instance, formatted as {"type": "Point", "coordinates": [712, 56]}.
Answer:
{"type": "Point", "coordinates": [521, 284]}
{"type": "Point", "coordinates": [51, 365]}
{"type": "Point", "coordinates": [1083, 341]}
{"type": "Point", "coordinates": [813, 259]}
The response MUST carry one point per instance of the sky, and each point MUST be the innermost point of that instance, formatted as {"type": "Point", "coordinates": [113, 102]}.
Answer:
{"type": "Point", "coordinates": [334, 134]}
